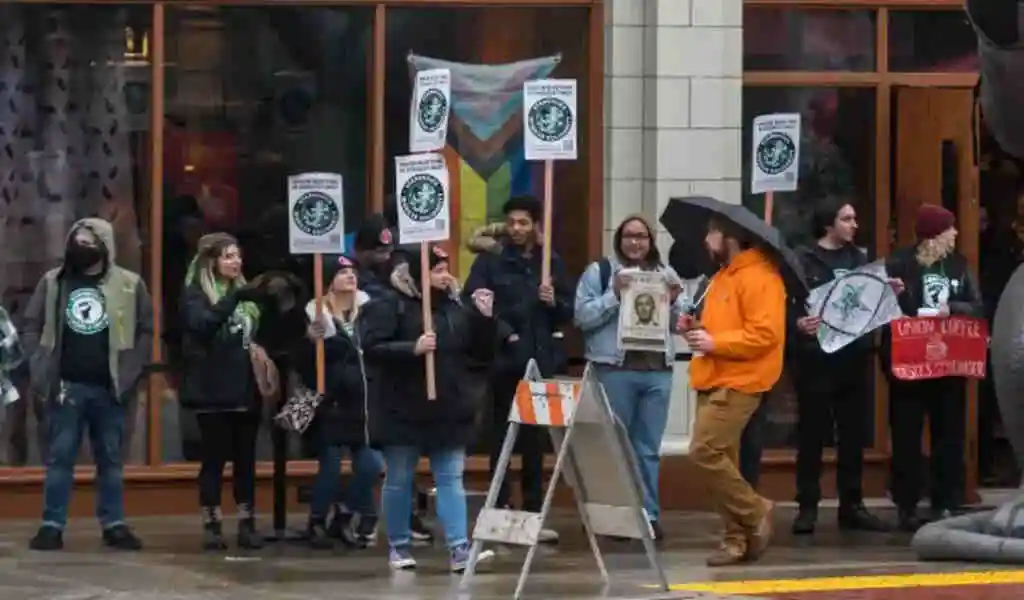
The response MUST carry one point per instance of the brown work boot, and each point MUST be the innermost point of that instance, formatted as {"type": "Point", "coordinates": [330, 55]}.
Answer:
{"type": "Point", "coordinates": [761, 535]}
{"type": "Point", "coordinates": [726, 555]}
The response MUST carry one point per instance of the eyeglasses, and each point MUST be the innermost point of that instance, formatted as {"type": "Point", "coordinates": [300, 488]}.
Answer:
{"type": "Point", "coordinates": [637, 237]}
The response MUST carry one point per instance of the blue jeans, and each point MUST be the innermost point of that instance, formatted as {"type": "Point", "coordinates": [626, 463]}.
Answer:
{"type": "Point", "coordinates": [94, 407]}
{"type": "Point", "coordinates": [640, 399]}
{"type": "Point", "coordinates": [367, 465]}
{"type": "Point", "coordinates": [447, 466]}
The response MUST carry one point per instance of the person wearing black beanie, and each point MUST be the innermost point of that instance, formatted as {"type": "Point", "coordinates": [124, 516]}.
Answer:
{"type": "Point", "coordinates": [409, 423]}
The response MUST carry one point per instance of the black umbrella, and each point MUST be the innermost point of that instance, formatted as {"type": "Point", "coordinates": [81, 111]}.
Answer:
{"type": "Point", "coordinates": [687, 219]}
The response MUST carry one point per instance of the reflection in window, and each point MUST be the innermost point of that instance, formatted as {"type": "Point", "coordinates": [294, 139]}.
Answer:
{"type": "Point", "coordinates": [836, 159]}
{"type": "Point", "coordinates": [790, 39]}
{"type": "Point", "coordinates": [74, 94]}
{"type": "Point", "coordinates": [254, 94]}
{"type": "Point", "coordinates": [932, 41]}
{"type": "Point", "coordinates": [491, 52]}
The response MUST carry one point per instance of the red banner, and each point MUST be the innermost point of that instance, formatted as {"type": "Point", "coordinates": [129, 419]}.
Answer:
{"type": "Point", "coordinates": [933, 347]}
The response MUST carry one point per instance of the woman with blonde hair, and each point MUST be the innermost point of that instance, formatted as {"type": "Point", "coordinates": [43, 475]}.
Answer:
{"type": "Point", "coordinates": [342, 422]}
{"type": "Point", "coordinates": [225, 374]}
{"type": "Point", "coordinates": [937, 283]}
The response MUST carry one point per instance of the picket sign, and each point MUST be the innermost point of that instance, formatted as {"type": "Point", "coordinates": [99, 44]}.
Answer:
{"type": "Point", "coordinates": [592, 449]}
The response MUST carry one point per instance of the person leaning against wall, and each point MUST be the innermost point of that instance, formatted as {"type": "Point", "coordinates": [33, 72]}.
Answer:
{"type": "Point", "coordinates": [638, 384]}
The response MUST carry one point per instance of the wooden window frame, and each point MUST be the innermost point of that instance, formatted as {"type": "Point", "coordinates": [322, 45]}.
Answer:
{"type": "Point", "coordinates": [592, 145]}
{"type": "Point", "coordinates": [883, 81]}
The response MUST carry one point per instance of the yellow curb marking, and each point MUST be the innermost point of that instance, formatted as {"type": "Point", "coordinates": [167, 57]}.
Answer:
{"type": "Point", "coordinates": [855, 582]}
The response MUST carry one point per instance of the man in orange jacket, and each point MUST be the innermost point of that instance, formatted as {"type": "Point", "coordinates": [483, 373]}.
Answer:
{"type": "Point", "coordinates": [738, 348]}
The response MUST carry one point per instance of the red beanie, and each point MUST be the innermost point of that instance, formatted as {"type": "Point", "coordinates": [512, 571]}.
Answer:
{"type": "Point", "coordinates": [932, 221]}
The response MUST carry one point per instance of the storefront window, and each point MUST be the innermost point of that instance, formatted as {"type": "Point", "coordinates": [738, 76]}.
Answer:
{"type": "Point", "coordinates": [74, 143]}
{"type": "Point", "coordinates": [790, 39]}
{"type": "Point", "coordinates": [837, 152]}
{"type": "Point", "coordinates": [932, 41]}
{"type": "Point", "coordinates": [253, 95]}
{"type": "Point", "coordinates": [491, 52]}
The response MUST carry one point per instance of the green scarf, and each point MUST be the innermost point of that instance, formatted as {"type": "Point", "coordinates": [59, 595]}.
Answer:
{"type": "Point", "coordinates": [246, 315]}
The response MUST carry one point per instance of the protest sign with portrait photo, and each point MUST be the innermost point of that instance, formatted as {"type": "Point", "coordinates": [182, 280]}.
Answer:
{"type": "Point", "coordinates": [644, 311]}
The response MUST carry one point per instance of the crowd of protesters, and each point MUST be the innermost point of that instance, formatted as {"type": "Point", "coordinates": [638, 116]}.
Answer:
{"type": "Point", "coordinates": [88, 331]}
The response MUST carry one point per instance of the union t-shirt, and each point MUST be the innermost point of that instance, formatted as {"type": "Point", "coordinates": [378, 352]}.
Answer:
{"type": "Point", "coordinates": [85, 342]}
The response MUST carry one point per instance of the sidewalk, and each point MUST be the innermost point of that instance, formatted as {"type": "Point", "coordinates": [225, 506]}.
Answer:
{"type": "Point", "coordinates": [173, 568]}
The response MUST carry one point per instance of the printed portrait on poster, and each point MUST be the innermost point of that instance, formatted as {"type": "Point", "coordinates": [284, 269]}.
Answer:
{"type": "Point", "coordinates": [644, 311]}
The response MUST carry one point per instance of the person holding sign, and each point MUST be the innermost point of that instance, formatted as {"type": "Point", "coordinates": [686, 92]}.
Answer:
{"type": "Point", "coordinates": [938, 283]}
{"type": "Point", "coordinates": [408, 424]}
{"type": "Point", "coordinates": [831, 388]}
{"type": "Point", "coordinates": [343, 418]}
{"type": "Point", "coordinates": [638, 380]}
{"type": "Point", "coordinates": [220, 315]}
{"type": "Point", "coordinates": [530, 315]}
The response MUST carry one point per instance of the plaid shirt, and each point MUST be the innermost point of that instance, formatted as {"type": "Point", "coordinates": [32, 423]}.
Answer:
{"type": "Point", "coordinates": [11, 355]}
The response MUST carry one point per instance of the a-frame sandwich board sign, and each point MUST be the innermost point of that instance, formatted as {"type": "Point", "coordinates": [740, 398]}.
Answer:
{"type": "Point", "coordinates": [592, 450]}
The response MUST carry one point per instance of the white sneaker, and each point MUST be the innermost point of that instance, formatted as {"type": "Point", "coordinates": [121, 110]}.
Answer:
{"type": "Point", "coordinates": [547, 536]}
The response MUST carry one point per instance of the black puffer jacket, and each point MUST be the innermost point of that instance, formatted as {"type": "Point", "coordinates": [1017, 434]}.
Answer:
{"type": "Point", "coordinates": [218, 370]}
{"type": "Point", "coordinates": [343, 416]}
{"type": "Point", "coordinates": [401, 413]}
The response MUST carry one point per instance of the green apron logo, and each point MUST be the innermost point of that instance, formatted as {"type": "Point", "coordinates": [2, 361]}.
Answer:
{"type": "Point", "coordinates": [315, 213]}
{"type": "Point", "coordinates": [422, 197]}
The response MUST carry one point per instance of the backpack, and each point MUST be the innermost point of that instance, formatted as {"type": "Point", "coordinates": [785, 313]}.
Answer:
{"type": "Point", "coordinates": [604, 272]}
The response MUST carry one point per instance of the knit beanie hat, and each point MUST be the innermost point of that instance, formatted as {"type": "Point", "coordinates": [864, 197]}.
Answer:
{"type": "Point", "coordinates": [932, 221]}
{"type": "Point", "coordinates": [333, 267]}
{"type": "Point", "coordinates": [435, 255]}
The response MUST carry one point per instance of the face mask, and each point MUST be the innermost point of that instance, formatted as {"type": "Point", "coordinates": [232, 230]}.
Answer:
{"type": "Point", "coordinates": [80, 257]}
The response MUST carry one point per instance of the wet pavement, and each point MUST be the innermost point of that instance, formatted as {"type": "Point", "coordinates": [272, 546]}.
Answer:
{"type": "Point", "coordinates": [173, 568]}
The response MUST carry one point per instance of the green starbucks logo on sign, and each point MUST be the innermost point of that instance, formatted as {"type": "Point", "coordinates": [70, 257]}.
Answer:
{"type": "Point", "coordinates": [550, 119]}
{"type": "Point", "coordinates": [776, 153]}
{"type": "Point", "coordinates": [422, 197]}
{"type": "Point", "coordinates": [431, 111]}
{"type": "Point", "coordinates": [86, 311]}
{"type": "Point", "coordinates": [315, 213]}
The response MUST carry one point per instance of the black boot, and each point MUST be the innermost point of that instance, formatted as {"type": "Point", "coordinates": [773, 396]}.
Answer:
{"type": "Point", "coordinates": [806, 518]}
{"type": "Point", "coordinates": [213, 529]}
{"type": "Point", "coordinates": [316, 531]}
{"type": "Point", "coordinates": [213, 537]}
{"type": "Point", "coordinates": [248, 537]}
{"type": "Point", "coordinates": [855, 517]}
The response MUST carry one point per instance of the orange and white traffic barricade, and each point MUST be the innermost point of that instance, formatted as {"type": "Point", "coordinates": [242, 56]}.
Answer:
{"type": "Point", "coordinates": [592, 450]}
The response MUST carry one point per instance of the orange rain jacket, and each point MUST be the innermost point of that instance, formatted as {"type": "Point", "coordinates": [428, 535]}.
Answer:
{"type": "Point", "coordinates": [745, 315]}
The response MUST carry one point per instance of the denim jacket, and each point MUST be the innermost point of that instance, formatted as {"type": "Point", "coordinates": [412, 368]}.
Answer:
{"type": "Point", "coordinates": [597, 316]}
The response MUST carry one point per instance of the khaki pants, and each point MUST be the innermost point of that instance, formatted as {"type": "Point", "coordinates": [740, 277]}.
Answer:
{"type": "Point", "coordinates": [721, 417]}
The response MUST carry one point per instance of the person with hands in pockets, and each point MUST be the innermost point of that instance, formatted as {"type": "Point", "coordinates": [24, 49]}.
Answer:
{"type": "Point", "coordinates": [638, 384]}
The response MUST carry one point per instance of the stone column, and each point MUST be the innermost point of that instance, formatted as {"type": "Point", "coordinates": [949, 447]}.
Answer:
{"type": "Point", "coordinates": [673, 121]}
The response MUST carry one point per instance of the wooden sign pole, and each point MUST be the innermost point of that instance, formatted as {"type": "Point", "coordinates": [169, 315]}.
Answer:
{"type": "Point", "coordinates": [318, 293]}
{"type": "Point", "coordinates": [769, 204]}
{"type": "Point", "coordinates": [428, 320]}
{"type": "Point", "coordinates": [549, 182]}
